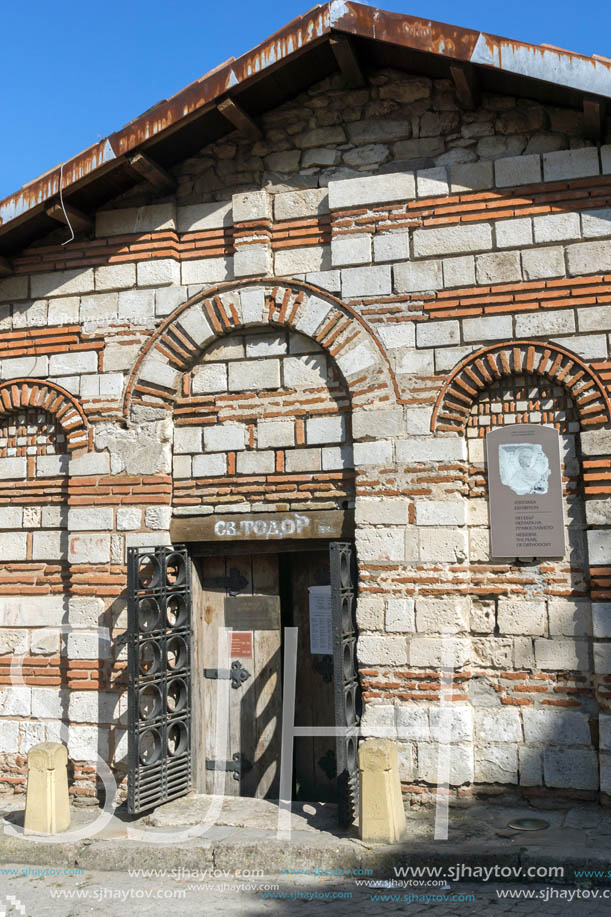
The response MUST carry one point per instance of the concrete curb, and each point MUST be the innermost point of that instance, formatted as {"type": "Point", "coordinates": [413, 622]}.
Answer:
{"type": "Point", "coordinates": [302, 856]}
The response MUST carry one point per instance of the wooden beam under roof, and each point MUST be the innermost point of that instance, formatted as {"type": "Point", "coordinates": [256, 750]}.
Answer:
{"type": "Point", "coordinates": [347, 61]}
{"type": "Point", "coordinates": [152, 172]}
{"type": "Point", "coordinates": [594, 118]}
{"type": "Point", "coordinates": [239, 118]}
{"type": "Point", "coordinates": [73, 217]}
{"type": "Point", "coordinates": [465, 82]}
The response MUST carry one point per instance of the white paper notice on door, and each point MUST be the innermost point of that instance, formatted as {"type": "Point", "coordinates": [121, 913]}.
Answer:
{"type": "Point", "coordinates": [321, 634]}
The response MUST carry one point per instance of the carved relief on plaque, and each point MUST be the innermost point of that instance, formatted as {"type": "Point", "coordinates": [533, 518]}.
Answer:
{"type": "Point", "coordinates": [524, 468]}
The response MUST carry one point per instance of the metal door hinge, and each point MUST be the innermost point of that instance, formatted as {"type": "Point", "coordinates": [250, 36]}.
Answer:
{"type": "Point", "coordinates": [238, 765]}
{"type": "Point", "coordinates": [237, 673]}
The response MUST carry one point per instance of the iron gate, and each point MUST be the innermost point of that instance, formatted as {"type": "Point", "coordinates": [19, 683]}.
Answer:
{"type": "Point", "coordinates": [345, 679]}
{"type": "Point", "coordinates": [159, 670]}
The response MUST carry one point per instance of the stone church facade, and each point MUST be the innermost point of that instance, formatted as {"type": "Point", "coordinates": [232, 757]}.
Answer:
{"type": "Point", "coordinates": [322, 314]}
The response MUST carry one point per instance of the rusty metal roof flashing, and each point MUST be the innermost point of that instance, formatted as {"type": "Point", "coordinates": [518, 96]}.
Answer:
{"type": "Point", "coordinates": [102, 171]}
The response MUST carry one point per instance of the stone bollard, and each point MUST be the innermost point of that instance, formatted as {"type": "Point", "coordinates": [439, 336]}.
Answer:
{"type": "Point", "coordinates": [47, 810]}
{"type": "Point", "coordinates": [382, 816]}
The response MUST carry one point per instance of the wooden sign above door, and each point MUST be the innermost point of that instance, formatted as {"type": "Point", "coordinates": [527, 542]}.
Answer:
{"type": "Point", "coordinates": [272, 526]}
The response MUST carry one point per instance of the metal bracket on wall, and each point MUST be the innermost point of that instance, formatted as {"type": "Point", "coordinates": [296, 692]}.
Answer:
{"type": "Point", "coordinates": [238, 765]}
{"type": "Point", "coordinates": [237, 673]}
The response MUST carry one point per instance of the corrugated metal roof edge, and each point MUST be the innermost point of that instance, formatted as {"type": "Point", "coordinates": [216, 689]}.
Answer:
{"type": "Point", "coordinates": [589, 75]}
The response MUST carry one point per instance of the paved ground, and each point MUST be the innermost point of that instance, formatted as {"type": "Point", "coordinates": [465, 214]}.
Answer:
{"type": "Point", "coordinates": [109, 893]}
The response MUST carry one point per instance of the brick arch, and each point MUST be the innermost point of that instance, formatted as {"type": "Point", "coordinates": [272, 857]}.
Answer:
{"type": "Point", "coordinates": [177, 345]}
{"type": "Point", "coordinates": [484, 367]}
{"type": "Point", "coordinates": [20, 394]}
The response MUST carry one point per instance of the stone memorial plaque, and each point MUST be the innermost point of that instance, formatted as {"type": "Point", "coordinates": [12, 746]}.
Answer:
{"type": "Point", "coordinates": [525, 492]}
{"type": "Point", "coordinates": [252, 612]}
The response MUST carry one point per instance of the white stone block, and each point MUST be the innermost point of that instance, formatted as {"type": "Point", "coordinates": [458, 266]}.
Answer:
{"type": "Point", "coordinates": [195, 217]}
{"type": "Point", "coordinates": [86, 743]}
{"type": "Point", "coordinates": [471, 176]}
{"type": "Point", "coordinates": [446, 358]}
{"type": "Point", "coordinates": [436, 334]}
{"type": "Point", "coordinates": [206, 270]}
{"type": "Point", "coordinates": [599, 547]}
{"type": "Point", "coordinates": [50, 466]}
{"type": "Point", "coordinates": [366, 281]}
{"type": "Point", "coordinates": [90, 519]}
{"type": "Point", "coordinates": [129, 518]}
{"type": "Point", "coordinates": [13, 545]}
{"type": "Point", "coordinates": [399, 615]}
{"type": "Point", "coordinates": [376, 423]}
{"type": "Point", "coordinates": [256, 463]}
{"type": "Point", "coordinates": [542, 263]}
{"type": "Point", "coordinates": [251, 205]}
{"type": "Point", "coordinates": [275, 433]}
{"type": "Point", "coordinates": [517, 170]}
{"type": "Point", "coordinates": [562, 164]}
{"type": "Point", "coordinates": [601, 619]}
{"type": "Point", "coordinates": [381, 650]}
{"type": "Point", "coordinates": [418, 276]}
{"type": "Point", "coordinates": [80, 361]}
{"type": "Point", "coordinates": [602, 658]}
{"type": "Point", "coordinates": [432, 449]}
{"type": "Point", "coordinates": [498, 267]}
{"type": "Point", "coordinates": [513, 233]}
{"type": "Point", "coordinates": [496, 764]}
{"type": "Point", "coordinates": [351, 249]}
{"type": "Point", "coordinates": [487, 328]}
{"type": "Point", "coordinates": [497, 724]}
{"type": "Point", "coordinates": [399, 334]}
{"type": "Point", "coordinates": [62, 283]}
{"type": "Point", "coordinates": [381, 544]}
{"type": "Point", "coordinates": [206, 466]}
{"type": "Point", "coordinates": [545, 323]}
{"type": "Point", "coordinates": [114, 277]}
{"type": "Point", "coordinates": [413, 362]}
{"type": "Point", "coordinates": [596, 223]}
{"type": "Point", "coordinates": [557, 227]}
{"type": "Point", "coordinates": [555, 727]}
{"type": "Point", "coordinates": [441, 512]}
{"type": "Point", "coordinates": [449, 240]}
{"type": "Point", "coordinates": [382, 510]}
{"type": "Point", "coordinates": [373, 453]}
{"type": "Point", "coordinates": [11, 517]}
{"type": "Point", "coordinates": [49, 545]}
{"type": "Point", "coordinates": [571, 767]}
{"type": "Point", "coordinates": [158, 517]}
{"type": "Point", "coordinates": [225, 437]}
{"type": "Point", "coordinates": [187, 440]}
{"type": "Point", "coordinates": [252, 300]}
{"type": "Point", "coordinates": [15, 287]}
{"type": "Point", "coordinates": [295, 261]}
{"type": "Point", "coordinates": [356, 360]}
{"type": "Point", "coordinates": [305, 372]}
{"type": "Point", "coordinates": [63, 311]}
{"type": "Point", "coordinates": [15, 367]}
{"type": "Point", "coordinates": [379, 720]}
{"type": "Point", "coordinates": [253, 261]}
{"type": "Point", "coordinates": [588, 258]}
{"type": "Point", "coordinates": [330, 429]}
{"type": "Point", "coordinates": [460, 764]}
{"type": "Point", "coordinates": [31, 610]}
{"type": "Point", "coordinates": [433, 652]}
{"type": "Point", "coordinates": [297, 460]}
{"type": "Point", "coordinates": [442, 615]}
{"type": "Point", "coordinates": [311, 315]}
{"type": "Point", "coordinates": [596, 442]}
{"type": "Point", "coordinates": [587, 346]}
{"type": "Point", "coordinates": [89, 549]}
{"type": "Point", "coordinates": [291, 205]}
{"type": "Point", "coordinates": [594, 318]}
{"type": "Point", "coordinates": [334, 457]}
{"type": "Point", "coordinates": [560, 654]}
{"type": "Point", "coordinates": [266, 345]}
{"type": "Point", "coordinates": [570, 617]}
{"type": "Point", "coordinates": [391, 246]}
{"type": "Point", "coordinates": [158, 272]}
{"type": "Point", "coordinates": [459, 272]}
{"type": "Point", "coordinates": [443, 545]}
{"type": "Point", "coordinates": [412, 723]}
{"type": "Point", "coordinates": [432, 182]}
{"type": "Point", "coordinates": [254, 375]}
{"type": "Point", "coordinates": [209, 378]}
{"type": "Point", "coordinates": [374, 189]}
{"type": "Point", "coordinates": [451, 723]}
{"type": "Point", "coordinates": [135, 219]}
{"type": "Point", "coordinates": [521, 616]}
{"type": "Point", "coordinates": [15, 701]}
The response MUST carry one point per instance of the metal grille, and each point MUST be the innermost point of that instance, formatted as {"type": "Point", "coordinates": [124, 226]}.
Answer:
{"type": "Point", "coordinates": [159, 667]}
{"type": "Point", "coordinates": [345, 678]}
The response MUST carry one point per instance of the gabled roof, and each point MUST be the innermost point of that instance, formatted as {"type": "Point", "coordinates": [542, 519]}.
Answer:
{"type": "Point", "coordinates": [336, 34]}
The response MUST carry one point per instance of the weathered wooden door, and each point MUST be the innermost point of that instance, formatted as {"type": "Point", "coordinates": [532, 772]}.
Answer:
{"type": "Point", "coordinates": [241, 592]}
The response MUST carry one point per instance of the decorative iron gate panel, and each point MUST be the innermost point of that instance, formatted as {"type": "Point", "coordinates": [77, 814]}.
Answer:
{"type": "Point", "coordinates": [159, 668]}
{"type": "Point", "coordinates": [345, 677]}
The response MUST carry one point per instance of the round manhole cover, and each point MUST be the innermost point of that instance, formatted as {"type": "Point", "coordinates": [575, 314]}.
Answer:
{"type": "Point", "coordinates": [528, 824]}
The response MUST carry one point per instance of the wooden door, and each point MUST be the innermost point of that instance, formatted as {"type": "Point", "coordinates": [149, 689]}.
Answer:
{"type": "Point", "coordinates": [314, 759]}
{"type": "Point", "coordinates": [241, 592]}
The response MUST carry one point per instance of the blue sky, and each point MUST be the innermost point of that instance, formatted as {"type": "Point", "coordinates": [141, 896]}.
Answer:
{"type": "Point", "coordinates": [71, 73]}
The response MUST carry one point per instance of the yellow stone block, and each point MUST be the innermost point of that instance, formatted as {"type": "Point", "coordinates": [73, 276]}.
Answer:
{"type": "Point", "coordinates": [47, 808]}
{"type": "Point", "coordinates": [382, 815]}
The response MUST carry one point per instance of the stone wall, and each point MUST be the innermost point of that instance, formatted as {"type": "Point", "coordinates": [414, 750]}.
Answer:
{"type": "Point", "coordinates": [328, 319]}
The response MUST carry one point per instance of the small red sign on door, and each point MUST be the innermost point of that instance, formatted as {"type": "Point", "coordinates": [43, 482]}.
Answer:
{"type": "Point", "coordinates": [241, 644]}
